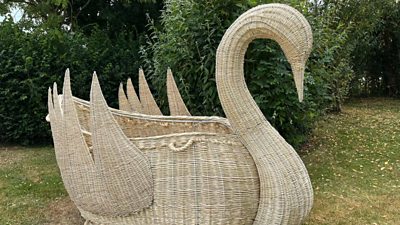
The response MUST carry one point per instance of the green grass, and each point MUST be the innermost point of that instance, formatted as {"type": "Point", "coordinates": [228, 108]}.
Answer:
{"type": "Point", "coordinates": [30, 185]}
{"type": "Point", "coordinates": [353, 159]}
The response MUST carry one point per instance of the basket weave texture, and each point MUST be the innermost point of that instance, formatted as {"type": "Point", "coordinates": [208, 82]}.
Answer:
{"type": "Point", "coordinates": [136, 166]}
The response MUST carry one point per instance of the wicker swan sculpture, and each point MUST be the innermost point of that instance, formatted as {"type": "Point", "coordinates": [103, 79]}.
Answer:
{"type": "Point", "coordinates": [136, 166]}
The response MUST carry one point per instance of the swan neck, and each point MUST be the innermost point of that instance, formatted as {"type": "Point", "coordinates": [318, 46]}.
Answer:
{"type": "Point", "coordinates": [266, 22]}
{"type": "Point", "coordinates": [285, 188]}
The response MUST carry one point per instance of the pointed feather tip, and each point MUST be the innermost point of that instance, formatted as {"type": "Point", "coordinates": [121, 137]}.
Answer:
{"type": "Point", "coordinates": [67, 72]}
{"type": "Point", "coordinates": [129, 86]}
{"type": "Point", "coordinates": [169, 72]}
{"type": "Point", "coordinates": [49, 96]}
{"type": "Point", "coordinates": [67, 75]}
{"type": "Point", "coordinates": [55, 87]}
{"type": "Point", "coordinates": [95, 82]}
{"type": "Point", "coordinates": [94, 77]}
{"type": "Point", "coordinates": [141, 73]}
{"type": "Point", "coordinates": [129, 83]}
{"type": "Point", "coordinates": [67, 84]}
{"type": "Point", "coordinates": [49, 103]}
{"type": "Point", "coordinates": [56, 100]}
{"type": "Point", "coordinates": [142, 80]}
{"type": "Point", "coordinates": [121, 92]}
{"type": "Point", "coordinates": [96, 95]}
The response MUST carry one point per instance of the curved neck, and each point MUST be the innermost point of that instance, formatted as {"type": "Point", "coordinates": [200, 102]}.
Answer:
{"type": "Point", "coordinates": [266, 21]}
{"type": "Point", "coordinates": [285, 188]}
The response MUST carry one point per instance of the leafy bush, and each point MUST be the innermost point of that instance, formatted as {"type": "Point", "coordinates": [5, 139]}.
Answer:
{"type": "Point", "coordinates": [31, 61]}
{"type": "Point", "coordinates": [31, 58]}
{"type": "Point", "coordinates": [187, 42]}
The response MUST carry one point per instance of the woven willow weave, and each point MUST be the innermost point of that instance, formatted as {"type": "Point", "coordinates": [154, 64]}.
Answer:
{"type": "Point", "coordinates": [136, 166]}
{"type": "Point", "coordinates": [133, 104]}
{"type": "Point", "coordinates": [176, 105]}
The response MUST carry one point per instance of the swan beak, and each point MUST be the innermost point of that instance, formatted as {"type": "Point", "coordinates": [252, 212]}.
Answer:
{"type": "Point", "coordinates": [298, 73]}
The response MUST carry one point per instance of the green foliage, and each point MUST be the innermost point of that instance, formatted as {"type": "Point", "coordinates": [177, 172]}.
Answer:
{"type": "Point", "coordinates": [373, 42]}
{"type": "Point", "coordinates": [31, 61]}
{"type": "Point", "coordinates": [187, 42]}
{"type": "Point", "coordinates": [53, 35]}
{"type": "Point", "coordinates": [330, 60]}
{"type": "Point", "coordinates": [376, 59]}
{"type": "Point", "coordinates": [350, 48]}
{"type": "Point", "coordinates": [110, 16]}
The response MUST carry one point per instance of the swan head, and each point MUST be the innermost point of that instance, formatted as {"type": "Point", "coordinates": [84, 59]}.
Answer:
{"type": "Point", "coordinates": [297, 51]}
{"type": "Point", "coordinates": [298, 64]}
{"type": "Point", "coordinates": [278, 22]}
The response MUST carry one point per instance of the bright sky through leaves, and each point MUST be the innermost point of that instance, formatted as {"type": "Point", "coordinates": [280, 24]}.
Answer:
{"type": "Point", "coordinates": [16, 14]}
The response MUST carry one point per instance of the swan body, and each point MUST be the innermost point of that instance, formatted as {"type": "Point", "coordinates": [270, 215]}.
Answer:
{"type": "Point", "coordinates": [136, 166]}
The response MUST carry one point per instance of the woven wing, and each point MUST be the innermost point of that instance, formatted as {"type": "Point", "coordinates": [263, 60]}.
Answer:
{"type": "Point", "coordinates": [117, 180]}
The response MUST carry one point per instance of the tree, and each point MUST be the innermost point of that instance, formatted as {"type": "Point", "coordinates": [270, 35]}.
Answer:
{"type": "Point", "coordinates": [374, 43]}
{"type": "Point", "coordinates": [110, 16]}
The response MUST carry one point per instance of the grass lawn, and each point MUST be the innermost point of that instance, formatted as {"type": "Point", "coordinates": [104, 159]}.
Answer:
{"type": "Point", "coordinates": [31, 189]}
{"type": "Point", "coordinates": [354, 163]}
{"type": "Point", "coordinates": [353, 159]}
